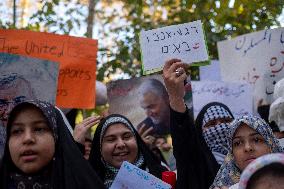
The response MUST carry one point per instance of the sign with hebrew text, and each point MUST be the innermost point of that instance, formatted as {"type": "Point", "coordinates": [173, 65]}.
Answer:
{"type": "Point", "coordinates": [76, 56]}
{"type": "Point", "coordinates": [183, 41]}
{"type": "Point", "coordinates": [257, 58]}
{"type": "Point", "coordinates": [130, 177]}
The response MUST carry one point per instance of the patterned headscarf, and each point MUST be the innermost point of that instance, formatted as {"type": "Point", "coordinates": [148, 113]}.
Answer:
{"type": "Point", "coordinates": [257, 164]}
{"type": "Point", "coordinates": [216, 137]}
{"type": "Point", "coordinates": [229, 173]}
{"type": "Point", "coordinates": [111, 171]}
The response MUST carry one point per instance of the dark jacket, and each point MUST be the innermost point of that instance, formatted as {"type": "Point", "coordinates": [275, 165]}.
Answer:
{"type": "Point", "coordinates": [196, 166]}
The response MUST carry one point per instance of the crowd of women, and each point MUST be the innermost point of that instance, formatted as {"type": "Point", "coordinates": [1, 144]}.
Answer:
{"type": "Point", "coordinates": [216, 150]}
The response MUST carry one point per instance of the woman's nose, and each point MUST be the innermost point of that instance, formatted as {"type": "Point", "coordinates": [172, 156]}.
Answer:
{"type": "Point", "coordinates": [248, 147]}
{"type": "Point", "coordinates": [120, 143]}
{"type": "Point", "coordinates": [28, 137]}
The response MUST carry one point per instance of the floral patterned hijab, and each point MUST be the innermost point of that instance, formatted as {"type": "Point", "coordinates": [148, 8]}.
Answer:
{"type": "Point", "coordinates": [229, 173]}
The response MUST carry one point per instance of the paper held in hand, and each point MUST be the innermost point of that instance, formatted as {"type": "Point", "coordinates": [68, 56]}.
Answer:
{"type": "Point", "coordinates": [183, 41]}
{"type": "Point", "coordinates": [130, 176]}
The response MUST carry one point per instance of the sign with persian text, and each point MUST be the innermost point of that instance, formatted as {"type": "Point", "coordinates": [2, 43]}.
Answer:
{"type": "Point", "coordinates": [257, 58]}
{"type": "Point", "coordinates": [237, 96]}
{"type": "Point", "coordinates": [183, 41]}
{"type": "Point", "coordinates": [130, 177]}
{"type": "Point", "coordinates": [77, 58]}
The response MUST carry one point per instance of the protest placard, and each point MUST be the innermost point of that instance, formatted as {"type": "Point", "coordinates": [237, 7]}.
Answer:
{"type": "Point", "coordinates": [130, 176]}
{"type": "Point", "coordinates": [257, 58]}
{"type": "Point", "coordinates": [33, 79]}
{"type": "Point", "coordinates": [125, 97]}
{"type": "Point", "coordinates": [77, 58]}
{"type": "Point", "coordinates": [237, 96]}
{"type": "Point", "coordinates": [211, 72]}
{"type": "Point", "coordinates": [183, 41]}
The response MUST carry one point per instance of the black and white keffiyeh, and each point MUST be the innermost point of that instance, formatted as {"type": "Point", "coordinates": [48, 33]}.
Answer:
{"type": "Point", "coordinates": [215, 112]}
{"type": "Point", "coordinates": [216, 138]}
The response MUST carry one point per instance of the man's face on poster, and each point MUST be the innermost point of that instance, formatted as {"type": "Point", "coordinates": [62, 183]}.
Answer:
{"type": "Point", "coordinates": [155, 106]}
{"type": "Point", "coordinates": [11, 96]}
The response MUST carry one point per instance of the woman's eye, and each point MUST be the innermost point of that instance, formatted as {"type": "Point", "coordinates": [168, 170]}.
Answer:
{"type": "Point", "coordinates": [257, 139]}
{"type": "Point", "coordinates": [40, 129]}
{"type": "Point", "coordinates": [109, 139]}
{"type": "Point", "coordinates": [127, 136]}
{"type": "Point", "coordinates": [16, 131]}
{"type": "Point", "coordinates": [236, 143]}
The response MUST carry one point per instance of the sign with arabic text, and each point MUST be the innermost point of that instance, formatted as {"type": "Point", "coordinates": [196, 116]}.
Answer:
{"type": "Point", "coordinates": [183, 41]}
{"type": "Point", "coordinates": [130, 176]}
{"type": "Point", "coordinates": [257, 58]}
{"type": "Point", "coordinates": [237, 96]}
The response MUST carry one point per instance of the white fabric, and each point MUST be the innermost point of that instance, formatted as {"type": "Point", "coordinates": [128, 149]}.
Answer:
{"type": "Point", "coordinates": [219, 157]}
{"type": "Point", "coordinates": [281, 141]}
{"type": "Point", "coordinates": [65, 120]}
{"type": "Point", "coordinates": [235, 186]}
{"type": "Point", "coordinates": [279, 89]}
{"type": "Point", "coordinates": [276, 113]}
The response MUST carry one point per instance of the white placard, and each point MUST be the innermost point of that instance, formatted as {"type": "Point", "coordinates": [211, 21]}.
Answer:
{"type": "Point", "coordinates": [237, 96]}
{"type": "Point", "coordinates": [183, 41]}
{"type": "Point", "coordinates": [130, 177]}
{"type": "Point", "coordinates": [257, 58]}
{"type": "Point", "coordinates": [210, 72]}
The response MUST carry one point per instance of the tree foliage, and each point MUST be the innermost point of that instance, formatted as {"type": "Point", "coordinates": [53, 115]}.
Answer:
{"type": "Point", "coordinates": [118, 24]}
{"type": "Point", "coordinates": [221, 19]}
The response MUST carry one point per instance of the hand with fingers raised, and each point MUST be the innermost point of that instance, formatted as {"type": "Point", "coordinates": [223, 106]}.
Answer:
{"type": "Point", "coordinates": [144, 132]}
{"type": "Point", "coordinates": [82, 128]}
{"type": "Point", "coordinates": [174, 75]}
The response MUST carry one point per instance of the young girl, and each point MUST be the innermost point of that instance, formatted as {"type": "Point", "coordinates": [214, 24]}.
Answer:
{"type": "Point", "coordinates": [40, 152]}
{"type": "Point", "coordinates": [115, 141]}
{"type": "Point", "coordinates": [249, 138]}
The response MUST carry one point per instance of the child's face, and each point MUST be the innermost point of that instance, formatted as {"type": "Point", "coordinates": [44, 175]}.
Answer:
{"type": "Point", "coordinates": [31, 141]}
{"type": "Point", "coordinates": [248, 145]}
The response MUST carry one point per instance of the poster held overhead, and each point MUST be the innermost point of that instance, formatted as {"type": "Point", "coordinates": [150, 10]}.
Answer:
{"type": "Point", "coordinates": [183, 41]}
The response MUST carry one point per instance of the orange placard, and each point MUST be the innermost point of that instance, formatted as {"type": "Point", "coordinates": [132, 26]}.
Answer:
{"type": "Point", "coordinates": [77, 57]}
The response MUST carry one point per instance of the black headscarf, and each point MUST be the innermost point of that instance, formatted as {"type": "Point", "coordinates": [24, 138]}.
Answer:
{"type": "Point", "coordinates": [211, 164]}
{"type": "Point", "coordinates": [96, 160]}
{"type": "Point", "coordinates": [68, 169]}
